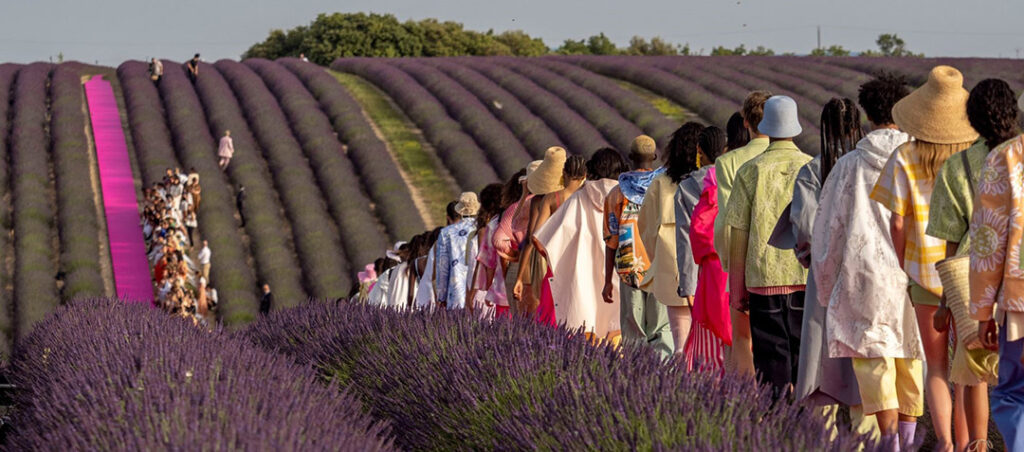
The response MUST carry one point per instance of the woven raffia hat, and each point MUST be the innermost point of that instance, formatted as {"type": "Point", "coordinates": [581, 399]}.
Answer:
{"type": "Point", "coordinates": [937, 111]}
{"type": "Point", "coordinates": [547, 178]}
{"type": "Point", "coordinates": [529, 170]}
{"type": "Point", "coordinates": [955, 274]}
{"type": "Point", "coordinates": [1020, 101]}
{"type": "Point", "coordinates": [468, 204]}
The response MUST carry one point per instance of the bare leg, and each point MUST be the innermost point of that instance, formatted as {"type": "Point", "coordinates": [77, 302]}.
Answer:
{"type": "Point", "coordinates": [679, 321]}
{"type": "Point", "coordinates": [741, 354]}
{"type": "Point", "coordinates": [976, 407]}
{"type": "Point", "coordinates": [960, 425]}
{"type": "Point", "coordinates": [936, 387]}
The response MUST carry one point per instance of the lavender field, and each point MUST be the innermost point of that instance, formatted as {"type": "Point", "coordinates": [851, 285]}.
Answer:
{"type": "Point", "coordinates": [327, 188]}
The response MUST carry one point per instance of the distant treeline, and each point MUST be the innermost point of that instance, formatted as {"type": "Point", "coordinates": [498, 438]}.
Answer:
{"type": "Point", "coordinates": [337, 35]}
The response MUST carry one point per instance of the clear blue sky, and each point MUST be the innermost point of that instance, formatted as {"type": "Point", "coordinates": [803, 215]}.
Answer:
{"type": "Point", "coordinates": [111, 31]}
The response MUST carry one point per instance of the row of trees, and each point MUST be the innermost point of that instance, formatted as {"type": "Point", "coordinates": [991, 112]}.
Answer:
{"type": "Point", "coordinates": [337, 35]}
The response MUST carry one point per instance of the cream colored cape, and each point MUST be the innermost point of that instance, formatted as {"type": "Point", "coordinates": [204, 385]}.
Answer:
{"type": "Point", "coordinates": [573, 241]}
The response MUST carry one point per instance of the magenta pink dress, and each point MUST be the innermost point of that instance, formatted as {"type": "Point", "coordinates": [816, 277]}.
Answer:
{"type": "Point", "coordinates": [712, 324]}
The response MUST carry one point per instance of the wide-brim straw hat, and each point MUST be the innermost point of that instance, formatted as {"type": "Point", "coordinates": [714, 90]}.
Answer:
{"type": "Point", "coordinates": [1020, 101]}
{"type": "Point", "coordinates": [393, 253]}
{"type": "Point", "coordinates": [529, 170]}
{"type": "Point", "coordinates": [468, 204]}
{"type": "Point", "coordinates": [548, 176]}
{"type": "Point", "coordinates": [937, 111]}
{"type": "Point", "coordinates": [780, 118]}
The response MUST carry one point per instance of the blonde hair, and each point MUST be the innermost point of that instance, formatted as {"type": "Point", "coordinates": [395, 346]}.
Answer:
{"type": "Point", "coordinates": [933, 155]}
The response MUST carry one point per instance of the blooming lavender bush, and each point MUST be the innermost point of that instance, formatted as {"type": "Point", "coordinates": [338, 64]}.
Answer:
{"type": "Point", "coordinates": [450, 382]}
{"type": "Point", "coordinates": [459, 152]}
{"type": "Point", "coordinates": [506, 154]}
{"type": "Point", "coordinates": [379, 172]}
{"type": "Point", "coordinates": [103, 375]}
{"type": "Point", "coordinates": [359, 227]}
{"type": "Point", "coordinates": [268, 229]}
{"type": "Point", "coordinates": [78, 223]}
{"type": "Point", "coordinates": [616, 129]}
{"type": "Point", "coordinates": [35, 293]}
{"type": "Point", "coordinates": [628, 104]}
{"type": "Point", "coordinates": [580, 136]}
{"type": "Point", "coordinates": [156, 151]}
{"type": "Point", "coordinates": [535, 135]}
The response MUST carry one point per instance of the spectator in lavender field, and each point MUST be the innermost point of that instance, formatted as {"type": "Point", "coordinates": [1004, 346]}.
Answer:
{"type": "Point", "coordinates": [240, 203]}
{"type": "Point", "coordinates": [204, 259]}
{"type": "Point", "coordinates": [302, 56]}
{"type": "Point", "coordinates": [267, 301]}
{"type": "Point", "coordinates": [156, 70]}
{"type": "Point", "coordinates": [225, 150]}
{"type": "Point", "coordinates": [192, 68]}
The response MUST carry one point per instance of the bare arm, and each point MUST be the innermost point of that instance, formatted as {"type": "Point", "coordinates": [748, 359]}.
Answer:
{"type": "Point", "coordinates": [738, 296]}
{"type": "Point", "coordinates": [899, 237]}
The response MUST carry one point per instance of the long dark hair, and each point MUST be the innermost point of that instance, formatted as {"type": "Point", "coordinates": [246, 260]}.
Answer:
{"type": "Point", "coordinates": [840, 132]}
{"type": "Point", "coordinates": [738, 133]}
{"type": "Point", "coordinates": [712, 141]}
{"type": "Point", "coordinates": [992, 111]}
{"type": "Point", "coordinates": [682, 151]}
{"type": "Point", "coordinates": [575, 168]}
{"type": "Point", "coordinates": [513, 189]}
{"type": "Point", "coordinates": [490, 204]}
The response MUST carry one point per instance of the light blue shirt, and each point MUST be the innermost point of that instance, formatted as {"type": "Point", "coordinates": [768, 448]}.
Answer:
{"type": "Point", "coordinates": [451, 263]}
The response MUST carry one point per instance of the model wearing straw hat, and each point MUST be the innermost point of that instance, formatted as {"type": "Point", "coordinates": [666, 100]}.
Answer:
{"type": "Point", "coordinates": [992, 111]}
{"type": "Point", "coordinates": [935, 115]}
{"type": "Point", "coordinates": [765, 280]}
{"type": "Point", "coordinates": [510, 233]}
{"type": "Point", "coordinates": [454, 251]}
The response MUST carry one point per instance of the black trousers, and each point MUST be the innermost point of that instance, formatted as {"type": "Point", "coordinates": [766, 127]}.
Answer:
{"type": "Point", "coordinates": [775, 323]}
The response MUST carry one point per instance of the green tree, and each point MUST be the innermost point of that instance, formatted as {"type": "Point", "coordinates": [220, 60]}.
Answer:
{"type": "Point", "coordinates": [600, 45]}
{"type": "Point", "coordinates": [832, 50]}
{"type": "Point", "coordinates": [656, 46]}
{"type": "Point", "coordinates": [573, 47]}
{"type": "Point", "coordinates": [522, 44]}
{"type": "Point", "coordinates": [740, 50]}
{"type": "Point", "coordinates": [761, 51]}
{"type": "Point", "coordinates": [891, 45]}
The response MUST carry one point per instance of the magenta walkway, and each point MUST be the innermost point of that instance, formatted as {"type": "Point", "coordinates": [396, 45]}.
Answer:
{"type": "Point", "coordinates": [127, 245]}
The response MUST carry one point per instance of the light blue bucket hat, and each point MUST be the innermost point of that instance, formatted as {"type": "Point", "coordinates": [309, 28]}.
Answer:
{"type": "Point", "coordinates": [780, 118]}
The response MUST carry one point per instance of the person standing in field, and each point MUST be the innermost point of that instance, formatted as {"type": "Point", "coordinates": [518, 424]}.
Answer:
{"type": "Point", "coordinates": [546, 179]}
{"type": "Point", "coordinates": [763, 280]}
{"type": "Point", "coordinates": [997, 276]}
{"type": "Point", "coordinates": [992, 111]}
{"type": "Point", "coordinates": [156, 70]}
{"type": "Point", "coordinates": [192, 68]}
{"type": "Point", "coordinates": [657, 225]}
{"type": "Point", "coordinates": [511, 232]}
{"type": "Point", "coordinates": [225, 150]}
{"type": "Point", "coordinates": [572, 241]}
{"type": "Point", "coordinates": [711, 330]}
{"type": "Point", "coordinates": [935, 115]}
{"type": "Point", "coordinates": [859, 282]}
{"type": "Point", "coordinates": [455, 251]}
{"type": "Point", "coordinates": [726, 167]}
{"type": "Point", "coordinates": [825, 382]}
{"type": "Point", "coordinates": [204, 259]}
{"type": "Point", "coordinates": [267, 300]}
{"type": "Point", "coordinates": [643, 320]}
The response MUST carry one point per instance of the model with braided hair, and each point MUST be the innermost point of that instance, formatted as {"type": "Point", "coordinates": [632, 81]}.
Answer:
{"type": "Point", "coordinates": [840, 132]}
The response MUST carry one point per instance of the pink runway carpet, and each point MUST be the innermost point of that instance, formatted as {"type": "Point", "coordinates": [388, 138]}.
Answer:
{"type": "Point", "coordinates": [127, 246]}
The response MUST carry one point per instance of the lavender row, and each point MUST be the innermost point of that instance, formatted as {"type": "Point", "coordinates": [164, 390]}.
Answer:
{"type": "Point", "coordinates": [8, 73]}
{"type": "Point", "coordinates": [605, 118]}
{"type": "Point", "coordinates": [628, 104]}
{"type": "Point", "coordinates": [316, 234]}
{"type": "Point", "coordinates": [35, 292]}
{"type": "Point", "coordinates": [504, 150]}
{"type": "Point", "coordinates": [269, 231]}
{"type": "Point", "coordinates": [156, 151]}
{"type": "Point", "coordinates": [518, 385]}
{"type": "Point", "coordinates": [580, 136]}
{"type": "Point", "coordinates": [531, 131]}
{"type": "Point", "coordinates": [360, 231]}
{"type": "Point", "coordinates": [459, 152]}
{"type": "Point", "coordinates": [708, 105]}
{"type": "Point", "coordinates": [378, 171]}
{"type": "Point", "coordinates": [78, 222]}
{"type": "Point", "coordinates": [102, 375]}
